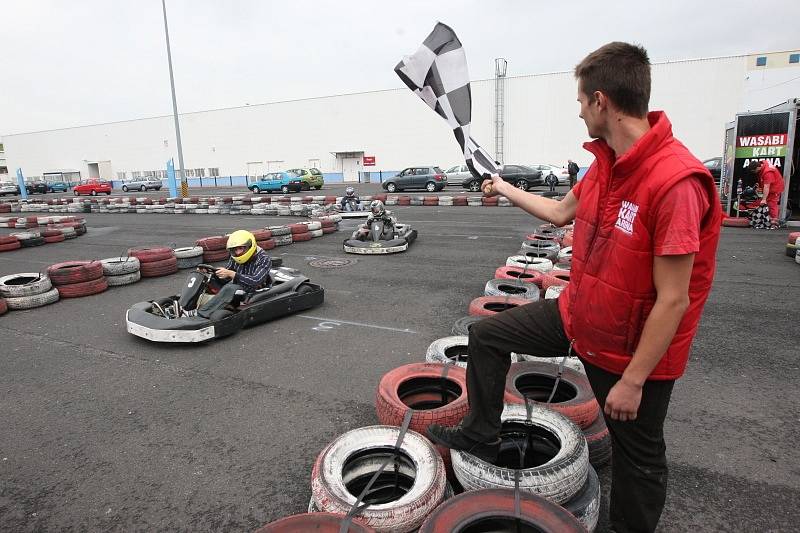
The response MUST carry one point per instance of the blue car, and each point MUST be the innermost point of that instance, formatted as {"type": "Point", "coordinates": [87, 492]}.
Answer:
{"type": "Point", "coordinates": [57, 186]}
{"type": "Point", "coordinates": [284, 182]}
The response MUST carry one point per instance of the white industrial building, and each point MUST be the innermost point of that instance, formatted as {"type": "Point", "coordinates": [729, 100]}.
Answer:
{"type": "Point", "coordinates": [333, 133]}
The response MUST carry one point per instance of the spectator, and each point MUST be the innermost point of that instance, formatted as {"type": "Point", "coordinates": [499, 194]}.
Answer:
{"type": "Point", "coordinates": [573, 169]}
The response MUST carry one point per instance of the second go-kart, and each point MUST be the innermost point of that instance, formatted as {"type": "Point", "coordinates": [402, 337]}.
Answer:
{"type": "Point", "coordinates": [174, 318]}
{"type": "Point", "coordinates": [381, 239]}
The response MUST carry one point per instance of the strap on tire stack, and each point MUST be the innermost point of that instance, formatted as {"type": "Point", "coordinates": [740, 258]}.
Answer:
{"type": "Point", "coordinates": [155, 262]}
{"type": "Point", "coordinates": [75, 279]}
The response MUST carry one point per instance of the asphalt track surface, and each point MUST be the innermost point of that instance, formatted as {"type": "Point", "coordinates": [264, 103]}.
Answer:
{"type": "Point", "coordinates": [102, 431]}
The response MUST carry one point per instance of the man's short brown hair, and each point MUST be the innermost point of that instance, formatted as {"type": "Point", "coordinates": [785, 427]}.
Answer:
{"type": "Point", "coordinates": [621, 71]}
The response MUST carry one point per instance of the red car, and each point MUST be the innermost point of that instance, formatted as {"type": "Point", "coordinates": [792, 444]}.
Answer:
{"type": "Point", "coordinates": [93, 187]}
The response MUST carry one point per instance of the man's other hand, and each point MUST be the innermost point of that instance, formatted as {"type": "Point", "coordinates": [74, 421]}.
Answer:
{"type": "Point", "coordinates": [224, 273]}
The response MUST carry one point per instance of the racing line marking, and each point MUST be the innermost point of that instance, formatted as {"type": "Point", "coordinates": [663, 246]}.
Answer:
{"type": "Point", "coordinates": [329, 323]}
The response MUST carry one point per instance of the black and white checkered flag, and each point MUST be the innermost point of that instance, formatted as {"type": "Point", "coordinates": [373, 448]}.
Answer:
{"type": "Point", "coordinates": [437, 73]}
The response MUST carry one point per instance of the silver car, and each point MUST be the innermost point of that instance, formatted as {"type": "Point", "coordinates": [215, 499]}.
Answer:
{"type": "Point", "coordinates": [457, 174]}
{"type": "Point", "coordinates": [8, 188]}
{"type": "Point", "coordinates": [142, 184]}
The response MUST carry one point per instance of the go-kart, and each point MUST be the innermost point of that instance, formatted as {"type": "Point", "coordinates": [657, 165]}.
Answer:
{"type": "Point", "coordinates": [381, 239]}
{"type": "Point", "coordinates": [175, 318]}
{"type": "Point", "coordinates": [352, 208]}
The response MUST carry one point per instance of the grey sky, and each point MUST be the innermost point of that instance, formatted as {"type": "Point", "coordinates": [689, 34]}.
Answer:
{"type": "Point", "coordinates": [67, 63]}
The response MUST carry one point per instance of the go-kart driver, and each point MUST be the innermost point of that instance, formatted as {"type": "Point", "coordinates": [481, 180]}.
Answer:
{"type": "Point", "coordinates": [247, 270]}
{"type": "Point", "coordinates": [349, 195]}
{"type": "Point", "coordinates": [376, 212]}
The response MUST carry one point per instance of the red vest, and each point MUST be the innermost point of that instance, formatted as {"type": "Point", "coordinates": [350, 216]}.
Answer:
{"type": "Point", "coordinates": [611, 291]}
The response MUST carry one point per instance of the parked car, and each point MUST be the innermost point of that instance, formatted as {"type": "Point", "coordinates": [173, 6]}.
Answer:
{"type": "Point", "coordinates": [520, 176]}
{"type": "Point", "coordinates": [311, 177]}
{"type": "Point", "coordinates": [561, 172]}
{"type": "Point", "coordinates": [430, 178]}
{"type": "Point", "coordinates": [714, 165]}
{"type": "Point", "coordinates": [457, 174]}
{"type": "Point", "coordinates": [34, 187]}
{"type": "Point", "coordinates": [284, 182]}
{"type": "Point", "coordinates": [57, 186]}
{"type": "Point", "coordinates": [142, 184]}
{"type": "Point", "coordinates": [93, 187]}
{"type": "Point", "coordinates": [8, 188]}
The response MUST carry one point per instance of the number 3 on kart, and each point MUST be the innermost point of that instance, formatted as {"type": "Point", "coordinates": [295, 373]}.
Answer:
{"type": "Point", "coordinates": [191, 282]}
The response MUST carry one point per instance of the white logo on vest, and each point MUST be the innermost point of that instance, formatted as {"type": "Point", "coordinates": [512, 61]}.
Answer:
{"type": "Point", "coordinates": [626, 216]}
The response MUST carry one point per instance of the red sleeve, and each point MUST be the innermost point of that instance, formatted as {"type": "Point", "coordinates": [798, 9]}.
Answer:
{"type": "Point", "coordinates": [678, 217]}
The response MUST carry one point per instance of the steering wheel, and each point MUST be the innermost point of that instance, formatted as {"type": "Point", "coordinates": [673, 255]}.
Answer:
{"type": "Point", "coordinates": [206, 268]}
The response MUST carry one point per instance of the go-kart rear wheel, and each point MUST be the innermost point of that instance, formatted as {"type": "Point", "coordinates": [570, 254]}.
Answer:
{"type": "Point", "coordinates": [305, 288]}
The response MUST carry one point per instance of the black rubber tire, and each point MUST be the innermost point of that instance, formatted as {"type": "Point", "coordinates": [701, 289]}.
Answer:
{"type": "Point", "coordinates": [462, 325]}
{"type": "Point", "coordinates": [391, 187]}
{"type": "Point", "coordinates": [599, 441]}
{"type": "Point", "coordinates": [33, 241]}
{"type": "Point", "coordinates": [585, 505]}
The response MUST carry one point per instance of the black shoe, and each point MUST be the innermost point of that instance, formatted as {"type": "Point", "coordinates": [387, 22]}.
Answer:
{"type": "Point", "coordinates": [455, 439]}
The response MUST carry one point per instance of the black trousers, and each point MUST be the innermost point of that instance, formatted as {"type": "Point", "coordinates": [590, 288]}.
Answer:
{"type": "Point", "coordinates": [639, 469]}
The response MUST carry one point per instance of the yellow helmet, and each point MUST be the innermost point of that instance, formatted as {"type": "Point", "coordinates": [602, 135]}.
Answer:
{"type": "Point", "coordinates": [241, 238]}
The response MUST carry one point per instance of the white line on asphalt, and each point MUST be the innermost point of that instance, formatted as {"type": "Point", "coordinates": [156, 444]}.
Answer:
{"type": "Point", "coordinates": [363, 325]}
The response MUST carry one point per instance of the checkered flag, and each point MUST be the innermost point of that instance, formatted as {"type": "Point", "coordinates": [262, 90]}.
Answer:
{"type": "Point", "coordinates": [437, 73]}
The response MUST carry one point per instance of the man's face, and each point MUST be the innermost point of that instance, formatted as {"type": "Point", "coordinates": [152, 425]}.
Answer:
{"type": "Point", "coordinates": [239, 250]}
{"type": "Point", "coordinates": [589, 113]}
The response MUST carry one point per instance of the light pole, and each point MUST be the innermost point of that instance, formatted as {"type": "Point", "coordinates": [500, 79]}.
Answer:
{"type": "Point", "coordinates": [182, 168]}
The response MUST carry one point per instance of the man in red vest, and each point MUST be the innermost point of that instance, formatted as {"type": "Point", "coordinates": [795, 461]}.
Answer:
{"type": "Point", "coordinates": [647, 220]}
{"type": "Point", "coordinates": [771, 183]}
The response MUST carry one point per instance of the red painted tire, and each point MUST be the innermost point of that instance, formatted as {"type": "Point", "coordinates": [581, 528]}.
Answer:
{"type": "Point", "coordinates": [459, 200]}
{"type": "Point", "coordinates": [498, 506]}
{"type": "Point", "coordinates": [261, 234]}
{"type": "Point", "coordinates": [151, 255]}
{"type": "Point", "coordinates": [215, 256]}
{"type": "Point", "coordinates": [382, 197]}
{"type": "Point", "coordinates": [599, 441]}
{"type": "Point", "coordinates": [55, 238]}
{"type": "Point", "coordinates": [3, 306]}
{"type": "Point", "coordinates": [330, 200]}
{"type": "Point", "coordinates": [74, 272]}
{"type": "Point", "coordinates": [298, 228]}
{"type": "Point", "coordinates": [10, 246]}
{"type": "Point", "coordinates": [49, 233]}
{"type": "Point", "coordinates": [84, 288]}
{"type": "Point", "coordinates": [555, 278]}
{"type": "Point", "coordinates": [403, 200]}
{"type": "Point", "coordinates": [528, 276]}
{"type": "Point", "coordinates": [317, 522]}
{"type": "Point", "coordinates": [300, 237]}
{"type": "Point", "coordinates": [489, 305]}
{"type": "Point", "coordinates": [328, 229]}
{"type": "Point", "coordinates": [215, 243]}
{"type": "Point", "coordinates": [266, 244]}
{"type": "Point", "coordinates": [574, 397]}
{"type": "Point", "coordinates": [793, 236]}
{"type": "Point", "coordinates": [736, 222]}
{"type": "Point", "coordinates": [10, 239]}
{"type": "Point", "coordinates": [418, 386]}
{"type": "Point", "coordinates": [154, 269]}
{"type": "Point", "coordinates": [5, 208]}
{"type": "Point", "coordinates": [430, 200]}
{"type": "Point", "coordinates": [567, 240]}
{"type": "Point", "coordinates": [489, 200]}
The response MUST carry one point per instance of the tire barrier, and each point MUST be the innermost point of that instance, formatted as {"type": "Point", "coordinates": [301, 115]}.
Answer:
{"type": "Point", "coordinates": [506, 287]}
{"type": "Point", "coordinates": [500, 510]}
{"type": "Point", "coordinates": [83, 288]}
{"type": "Point", "coordinates": [585, 505]}
{"type": "Point", "coordinates": [27, 290]}
{"type": "Point", "coordinates": [572, 362]}
{"type": "Point", "coordinates": [736, 222]}
{"type": "Point", "coordinates": [539, 264]}
{"type": "Point", "coordinates": [489, 305]}
{"type": "Point", "coordinates": [215, 256]}
{"type": "Point", "coordinates": [453, 349]}
{"type": "Point", "coordinates": [3, 306]}
{"type": "Point", "coordinates": [123, 279]}
{"type": "Point", "coordinates": [599, 441]}
{"type": "Point", "coordinates": [554, 291]}
{"type": "Point", "coordinates": [188, 257]}
{"type": "Point", "coordinates": [413, 488]}
{"type": "Point", "coordinates": [556, 469]}
{"type": "Point", "coordinates": [573, 396]}
{"type": "Point", "coordinates": [149, 255]}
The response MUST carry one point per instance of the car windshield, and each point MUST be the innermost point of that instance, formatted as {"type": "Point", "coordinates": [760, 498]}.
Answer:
{"type": "Point", "coordinates": [438, 170]}
{"type": "Point", "coordinates": [316, 172]}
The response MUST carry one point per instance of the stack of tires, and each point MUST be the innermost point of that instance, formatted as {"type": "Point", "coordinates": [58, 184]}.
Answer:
{"type": "Point", "coordinates": [188, 257]}
{"type": "Point", "coordinates": [52, 235]}
{"type": "Point", "coordinates": [281, 234]}
{"type": "Point", "coordinates": [264, 239]}
{"type": "Point", "coordinates": [121, 270]}
{"type": "Point", "coordinates": [300, 232]}
{"type": "Point", "coordinates": [155, 262]}
{"type": "Point", "coordinates": [26, 291]}
{"type": "Point", "coordinates": [213, 248]}
{"type": "Point", "coordinates": [28, 239]}
{"type": "Point", "coordinates": [8, 243]}
{"type": "Point", "coordinates": [75, 279]}
{"type": "Point", "coordinates": [792, 244]}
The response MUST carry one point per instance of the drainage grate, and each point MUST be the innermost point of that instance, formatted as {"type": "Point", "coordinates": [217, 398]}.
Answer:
{"type": "Point", "coordinates": [331, 263]}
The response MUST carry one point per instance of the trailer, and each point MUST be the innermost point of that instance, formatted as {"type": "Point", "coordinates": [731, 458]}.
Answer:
{"type": "Point", "coordinates": [771, 134]}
